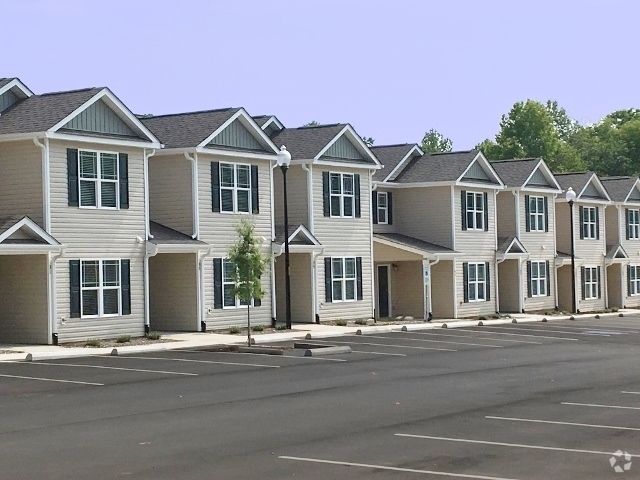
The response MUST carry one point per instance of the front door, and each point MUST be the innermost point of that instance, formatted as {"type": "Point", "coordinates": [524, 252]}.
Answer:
{"type": "Point", "coordinates": [383, 291]}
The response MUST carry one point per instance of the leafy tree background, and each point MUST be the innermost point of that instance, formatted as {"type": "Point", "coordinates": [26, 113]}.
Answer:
{"type": "Point", "coordinates": [434, 142]}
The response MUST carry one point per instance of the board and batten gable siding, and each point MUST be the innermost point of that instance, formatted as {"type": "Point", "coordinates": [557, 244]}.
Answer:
{"type": "Point", "coordinates": [98, 117]}
{"type": "Point", "coordinates": [344, 237]}
{"type": "Point", "coordinates": [219, 231]}
{"type": "Point", "coordinates": [540, 246]}
{"type": "Point", "coordinates": [90, 234]}
{"type": "Point", "coordinates": [21, 180]}
{"type": "Point", "coordinates": [506, 213]}
{"type": "Point", "coordinates": [298, 201]}
{"type": "Point", "coordinates": [170, 195]}
{"type": "Point", "coordinates": [7, 99]}
{"type": "Point", "coordinates": [382, 227]}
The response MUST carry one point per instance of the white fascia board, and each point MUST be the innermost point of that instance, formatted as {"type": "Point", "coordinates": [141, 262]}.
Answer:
{"type": "Point", "coordinates": [599, 187]}
{"type": "Point", "coordinates": [360, 146]}
{"type": "Point", "coordinates": [636, 186]}
{"type": "Point", "coordinates": [548, 174]}
{"type": "Point", "coordinates": [271, 120]}
{"type": "Point", "coordinates": [395, 185]}
{"type": "Point", "coordinates": [15, 83]}
{"type": "Point", "coordinates": [302, 229]}
{"type": "Point", "coordinates": [479, 186]}
{"type": "Point", "coordinates": [248, 122]}
{"type": "Point", "coordinates": [366, 166]}
{"type": "Point", "coordinates": [537, 190]}
{"type": "Point", "coordinates": [115, 141]}
{"type": "Point", "coordinates": [32, 226]}
{"type": "Point", "coordinates": [488, 169]}
{"type": "Point", "coordinates": [400, 164]}
{"type": "Point", "coordinates": [517, 242]}
{"type": "Point", "coordinates": [236, 154]}
{"type": "Point", "coordinates": [12, 137]}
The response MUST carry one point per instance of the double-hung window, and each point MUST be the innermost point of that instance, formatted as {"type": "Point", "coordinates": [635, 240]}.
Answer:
{"type": "Point", "coordinates": [235, 188]}
{"type": "Point", "coordinates": [633, 220]}
{"type": "Point", "coordinates": [591, 282]}
{"type": "Point", "coordinates": [475, 211]}
{"type": "Point", "coordinates": [98, 172]}
{"type": "Point", "coordinates": [343, 279]}
{"type": "Point", "coordinates": [634, 280]}
{"type": "Point", "coordinates": [383, 208]}
{"type": "Point", "coordinates": [100, 288]}
{"type": "Point", "coordinates": [538, 279]}
{"type": "Point", "coordinates": [589, 223]}
{"type": "Point", "coordinates": [536, 214]}
{"type": "Point", "coordinates": [228, 285]}
{"type": "Point", "coordinates": [342, 194]}
{"type": "Point", "coordinates": [477, 282]}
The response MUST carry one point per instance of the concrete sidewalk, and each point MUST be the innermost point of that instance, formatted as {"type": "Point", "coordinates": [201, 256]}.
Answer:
{"type": "Point", "coordinates": [297, 332]}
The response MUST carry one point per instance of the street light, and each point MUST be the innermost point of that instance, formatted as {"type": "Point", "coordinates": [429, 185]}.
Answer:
{"type": "Point", "coordinates": [284, 159]}
{"type": "Point", "coordinates": [570, 195]}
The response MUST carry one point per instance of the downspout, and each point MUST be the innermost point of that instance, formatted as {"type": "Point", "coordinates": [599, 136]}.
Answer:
{"type": "Point", "coordinates": [46, 175]}
{"type": "Point", "coordinates": [604, 258]}
{"type": "Point", "coordinates": [151, 251]}
{"type": "Point", "coordinates": [146, 192]}
{"type": "Point", "coordinates": [454, 263]}
{"type": "Point", "coordinates": [314, 281]}
{"type": "Point", "coordinates": [309, 171]}
{"type": "Point", "coordinates": [516, 194]}
{"type": "Point", "coordinates": [555, 251]}
{"type": "Point", "coordinates": [495, 236]}
{"type": "Point", "coordinates": [429, 311]}
{"type": "Point", "coordinates": [194, 193]}
{"type": "Point", "coordinates": [53, 298]}
{"type": "Point", "coordinates": [202, 315]}
{"type": "Point", "coordinates": [373, 293]}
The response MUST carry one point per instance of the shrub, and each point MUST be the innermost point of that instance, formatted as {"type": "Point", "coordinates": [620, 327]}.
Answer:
{"type": "Point", "coordinates": [281, 327]}
{"type": "Point", "coordinates": [341, 323]}
{"type": "Point", "coordinates": [361, 321]}
{"type": "Point", "coordinates": [257, 328]}
{"type": "Point", "coordinates": [494, 316]}
{"type": "Point", "coordinates": [93, 342]}
{"type": "Point", "coordinates": [123, 339]}
{"type": "Point", "coordinates": [482, 317]}
{"type": "Point", "coordinates": [234, 330]}
{"type": "Point", "coordinates": [153, 336]}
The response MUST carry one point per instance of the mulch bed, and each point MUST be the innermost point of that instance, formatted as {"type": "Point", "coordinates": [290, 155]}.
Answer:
{"type": "Point", "coordinates": [113, 343]}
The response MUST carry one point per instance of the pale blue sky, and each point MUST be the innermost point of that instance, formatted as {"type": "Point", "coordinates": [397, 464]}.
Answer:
{"type": "Point", "coordinates": [393, 68]}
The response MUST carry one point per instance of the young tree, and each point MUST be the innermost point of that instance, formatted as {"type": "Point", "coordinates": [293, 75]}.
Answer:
{"type": "Point", "coordinates": [433, 142]}
{"type": "Point", "coordinates": [368, 141]}
{"type": "Point", "coordinates": [312, 123]}
{"type": "Point", "coordinates": [250, 264]}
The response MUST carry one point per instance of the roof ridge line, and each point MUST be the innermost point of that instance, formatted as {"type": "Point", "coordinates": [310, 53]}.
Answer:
{"type": "Point", "coordinates": [69, 91]}
{"type": "Point", "coordinates": [189, 113]}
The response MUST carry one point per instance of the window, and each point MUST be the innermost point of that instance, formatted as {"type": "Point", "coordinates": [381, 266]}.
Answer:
{"type": "Point", "coordinates": [536, 214]}
{"type": "Point", "coordinates": [98, 173]}
{"type": "Point", "coordinates": [475, 211]}
{"type": "Point", "coordinates": [342, 194]}
{"type": "Point", "coordinates": [634, 223]}
{"type": "Point", "coordinates": [538, 279]}
{"type": "Point", "coordinates": [634, 279]}
{"type": "Point", "coordinates": [343, 279]}
{"type": "Point", "coordinates": [591, 282]}
{"type": "Point", "coordinates": [477, 282]}
{"type": "Point", "coordinates": [100, 288]}
{"type": "Point", "coordinates": [235, 188]}
{"type": "Point", "coordinates": [589, 222]}
{"type": "Point", "coordinates": [228, 284]}
{"type": "Point", "coordinates": [383, 208]}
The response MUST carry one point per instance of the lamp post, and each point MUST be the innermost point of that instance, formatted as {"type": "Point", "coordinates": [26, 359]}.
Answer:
{"type": "Point", "coordinates": [284, 159]}
{"type": "Point", "coordinates": [571, 197]}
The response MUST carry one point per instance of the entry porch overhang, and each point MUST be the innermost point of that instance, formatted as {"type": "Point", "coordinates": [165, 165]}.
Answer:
{"type": "Point", "coordinates": [19, 235]}
{"type": "Point", "coordinates": [409, 248]}
{"type": "Point", "coordinates": [616, 254]}
{"type": "Point", "coordinates": [563, 259]}
{"type": "Point", "coordinates": [510, 248]}
{"type": "Point", "coordinates": [301, 240]}
{"type": "Point", "coordinates": [167, 240]}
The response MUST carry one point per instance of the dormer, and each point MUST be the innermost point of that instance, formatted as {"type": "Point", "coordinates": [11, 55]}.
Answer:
{"type": "Point", "coordinates": [587, 185]}
{"type": "Point", "coordinates": [12, 90]}
{"type": "Point", "coordinates": [269, 124]}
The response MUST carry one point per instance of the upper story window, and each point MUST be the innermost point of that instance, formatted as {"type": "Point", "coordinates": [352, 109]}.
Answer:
{"type": "Point", "coordinates": [475, 211]}
{"type": "Point", "coordinates": [537, 214]}
{"type": "Point", "coordinates": [342, 194]}
{"type": "Point", "coordinates": [589, 227]}
{"type": "Point", "coordinates": [235, 188]}
{"type": "Point", "coordinates": [98, 179]}
{"type": "Point", "coordinates": [633, 224]}
{"type": "Point", "coordinates": [383, 208]}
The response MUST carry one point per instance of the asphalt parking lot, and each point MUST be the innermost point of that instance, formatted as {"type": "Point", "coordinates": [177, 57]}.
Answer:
{"type": "Point", "coordinates": [515, 401]}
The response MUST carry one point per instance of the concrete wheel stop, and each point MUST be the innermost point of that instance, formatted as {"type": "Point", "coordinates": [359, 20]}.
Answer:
{"type": "Point", "coordinates": [317, 350]}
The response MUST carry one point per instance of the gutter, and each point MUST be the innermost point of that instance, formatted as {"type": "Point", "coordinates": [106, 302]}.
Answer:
{"type": "Point", "coordinates": [194, 193]}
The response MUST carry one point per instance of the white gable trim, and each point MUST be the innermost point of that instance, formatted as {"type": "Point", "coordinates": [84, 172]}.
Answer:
{"type": "Point", "coordinates": [33, 227]}
{"type": "Point", "coordinates": [401, 163]}
{"type": "Point", "coordinates": [118, 108]}
{"type": "Point", "coordinates": [251, 125]}
{"type": "Point", "coordinates": [518, 244]}
{"type": "Point", "coordinates": [306, 233]}
{"type": "Point", "coordinates": [599, 187]}
{"type": "Point", "coordinates": [356, 140]}
{"type": "Point", "coordinates": [542, 166]}
{"type": "Point", "coordinates": [15, 83]}
{"type": "Point", "coordinates": [636, 186]}
{"type": "Point", "coordinates": [486, 166]}
{"type": "Point", "coordinates": [271, 120]}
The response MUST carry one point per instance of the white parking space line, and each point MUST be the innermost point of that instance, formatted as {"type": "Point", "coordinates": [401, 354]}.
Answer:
{"type": "Point", "coordinates": [195, 361]}
{"type": "Point", "coordinates": [53, 380]}
{"type": "Point", "coordinates": [432, 341]}
{"type": "Point", "coordinates": [268, 355]}
{"type": "Point", "coordinates": [393, 346]}
{"type": "Point", "coordinates": [631, 393]}
{"type": "Point", "coordinates": [561, 423]}
{"type": "Point", "coordinates": [380, 353]}
{"type": "Point", "coordinates": [527, 329]}
{"type": "Point", "coordinates": [599, 406]}
{"type": "Point", "coordinates": [502, 444]}
{"type": "Point", "coordinates": [110, 368]}
{"type": "Point", "coordinates": [479, 338]}
{"type": "Point", "coordinates": [517, 334]}
{"type": "Point", "coordinates": [392, 469]}
{"type": "Point", "coordinates": [602, 324]}
{"type": "Point", "coordinates": [599, 328]}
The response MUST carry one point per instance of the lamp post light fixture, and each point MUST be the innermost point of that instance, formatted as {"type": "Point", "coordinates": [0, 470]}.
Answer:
{"type": "Point", "coordinates": [284, 159]}
{"type": "Point", "coordinates": [570, 195]}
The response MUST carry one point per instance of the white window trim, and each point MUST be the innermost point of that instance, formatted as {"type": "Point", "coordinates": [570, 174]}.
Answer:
{"type": "Point", "coordinates": [634, 224]}
{"type": "Point", "coordinates": [477, 282]}
{"type": "Point", "coordinates": [540, 280]}
{"type": "Point", "coordinates": [592, 284]}
{"type": "Point", "coordinates": [235, 189]}
{"type": "Point", "coordinates": [536, 218]}
{"type": "Point", "coordinates": [385, 208]}
{"type": "Point", "coordinates": [586, 221]}
{"type": "Point", "coordinates": [101, 288]}
{"type": "Point", "coordinates": [238, 303]}
{"type": "Point", "coordinates": [98, 181]}
{"type": "Point", "coordinates": [635, 283]}
{"type": "Point", "coordinates": [343, 195]}
{"type": "Point", "coordinates": [475, 210]}
{"type": "Point", "coordinates": [343, 280]}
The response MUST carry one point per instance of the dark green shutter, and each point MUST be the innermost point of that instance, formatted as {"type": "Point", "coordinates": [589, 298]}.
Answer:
{"type": "Point", "coordinates": [74, 287]}
{"type": "Point", "coordinates": [326, 198]}
{"type": "Point", "coordinates": [255, 195]}
{"type": "Point", "coordinates": [546, 214]}
{"type": "Point", "coordinates": [123, 159]}
{"type": "Point", "coordinates": [328, 292]}
{"type": "Point", "coordinates": [527, 212]}
{"type": "Point", "coordinates": [627, 222]}
{"type": "Point", "coordinates": [72, 177]}
{"type": "Point", "coordinates": [548, 282]}
{"type": "Point", "coordinates": [581, 223]}
{"type": "Point", "coordinates": [217, 283]}
{"type": "Point", "coordinates": [597, 223]}
{"type": "Point", "coordinates": [529, 289]}
{"type": "Point", "coordinates": [359, 278]}
{"type": "Point", "coordinates": [584, 284]}
{"type": "Point", "coordinates": [599, 283]}
{"type": "Point", "coordinates": [125, 282]}
{"type": "Point", "coordinates": [465, 281]}
{"type": "Point", "coordinates": [463, 199]}
{"type": "Point", "coordinates": [215, 188]}
{"type": "Point", "coordinates": [356, 187]}
{"type": "Point", "coordinates": [374, 207]}
{"type": "Point", "coordinates": [488, 277]}
{"type": "Point", "coordinates": [389, 209]}
{"type": "Point", "coordinates": [486, 211]}
{"type": "Point", "coordinates": [257, 302]}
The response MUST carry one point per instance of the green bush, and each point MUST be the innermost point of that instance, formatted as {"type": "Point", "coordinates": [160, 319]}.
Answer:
{"type": "Point", "coordinates": [361, 321]}
{"type": "Point", "coordinates": [153, 336]}
{"type": "Point", "coordinates": [123, 339]}
{"type": "Point", "coordinates": [494, 316]}
{"type": "Point", "coordinates": [257, 328]}
{"type": "Point", "coordinates": [234, 330]}
{"type": "Point", "coordinates": [341, 323]}
{"type": "Point", "coordinates": [482, 317]}
{"type": "Point", "coordinates": [93, 342]}
{"type": "Point", "coordinates": [281, 327]}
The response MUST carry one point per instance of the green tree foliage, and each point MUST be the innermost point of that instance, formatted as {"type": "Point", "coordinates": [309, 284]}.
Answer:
{"type": "Point", "coordinates": [368, 141]}
{"type": "Point", "coordinates": [312, 123]}
{"type": "Point", "coordinates": [434, 142]}
{"type": "Point", "coordinates": [250, 264]}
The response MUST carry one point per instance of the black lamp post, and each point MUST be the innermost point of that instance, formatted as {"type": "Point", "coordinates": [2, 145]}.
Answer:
{"type": "Point", "coordinates": [284, 159]}
{"type": "Point", "coordinates": [571, 197]}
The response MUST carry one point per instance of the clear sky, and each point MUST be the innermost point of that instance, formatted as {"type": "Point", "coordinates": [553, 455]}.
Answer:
{"type": "Point", "coordinates": [392, 68]}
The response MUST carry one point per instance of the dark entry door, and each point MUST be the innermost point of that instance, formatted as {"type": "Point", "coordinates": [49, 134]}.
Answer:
{"type": "Point", "coordinates": [383, 291]}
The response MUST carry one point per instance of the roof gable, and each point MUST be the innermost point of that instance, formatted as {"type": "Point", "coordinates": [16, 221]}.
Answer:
{"type": "Point", "coordinates": [99, 118]}
{"type": "Point", "coordinates": [634, 194]}
{"type": "Point", "coordinates": [622, 189]}
{"type": "Point", "coordinates": [342, 148]}
{"type": "Point", "coordinates": [7, 99]}
{"type": "Point", "coordinates": [587, 186]}
{"type": "Point", "coordinates": [480, 171]}
{"type": "Point", "coordinates": [594, 190]}
{"type": "Point", "coordinates": [393, 159]}
{"type": "Point", "coordinates": [539, 180]}
{"type": "Point", "coordinates": [23, 230]}
{"type": "Point", "coordinates": [475, 172]}
{"type": "Point", "coordinates": [236, 135]}
{"type": "Point", "coordinates": [511, 246]}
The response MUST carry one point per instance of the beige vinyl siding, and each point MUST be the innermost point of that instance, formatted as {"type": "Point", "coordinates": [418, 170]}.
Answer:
{"type": "Point", "coordinates": [21, 176]}
{"type": "Point", "coordinates": [218, 230]}
{"type": "Point", "coordinates": [508, 288]}
{"type": "Point", "coordinates": [298, 202]}
{"type": "Point", "coordinates": [424, 213]}
{"type": "Point", "coordinates": [301, 288]}
{"type": "Point", "coordinates": [631, 246]}
{"type": "Point", "coordinates": [170, 195]}
{"type": "Point", "coordinates": [617, 287]}
{"type": "Point", "coordinates": [382, 227]}
{"type": "Point", "coordinates": [506, 213]}
{"type": "Point", "coordinates": [591, 253]}
{"type": "Point", "coordinates": [407, 289]}
{"type": "Point", "coordinates": [442, 289]}
{"type": "Point", "coordinates": [23, 299]}
{"type": "Point", "coordinates": [98, 234]}
{"type": "Point", "coordinates": [344, 237]}
{"type": "Point", "coordinates": [173, 291]}
{"type": "Point", "coordinates": [562, 226]}
{"type": "Point", "coordinates": [615, 225]}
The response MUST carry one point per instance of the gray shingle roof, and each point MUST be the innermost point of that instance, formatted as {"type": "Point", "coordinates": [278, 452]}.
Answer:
{"type": "Point", "coordinates": [613, 249]}
{"type": "Point", "coordinates": [183, 130]}
{"type": "Point", "coordinates": [304, 143]}
{"type": "Point", "coordinates": [4, 81]}
{"type": "Point", "coordinates": [390, 156]}
{"type": "Point", "coordinates": [514, 173]}
{"type": "Point", "coordinates": [261, 119]}
{"type": "Point", "coordinates": [437, 167]}
{"type": "Point", "coordinates": [39, 113]}
{"type": "Point", "coordinates": [618, 188]}
{"type": "Point", "coordinates": [413, 243]}
{"type": "Point", "coordinates": [577, 180]}
{"type": "Point", "coordinates": [292, 228]}
{"type": "Point", "coordinates": [167, 236]}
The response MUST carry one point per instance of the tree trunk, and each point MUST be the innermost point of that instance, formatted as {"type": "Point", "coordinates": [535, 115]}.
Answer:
{"type": "Point", "coordinates": [249, 324]}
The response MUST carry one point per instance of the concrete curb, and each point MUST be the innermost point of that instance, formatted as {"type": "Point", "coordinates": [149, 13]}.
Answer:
{"type": "Point", "coordinates": [321, 352]}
